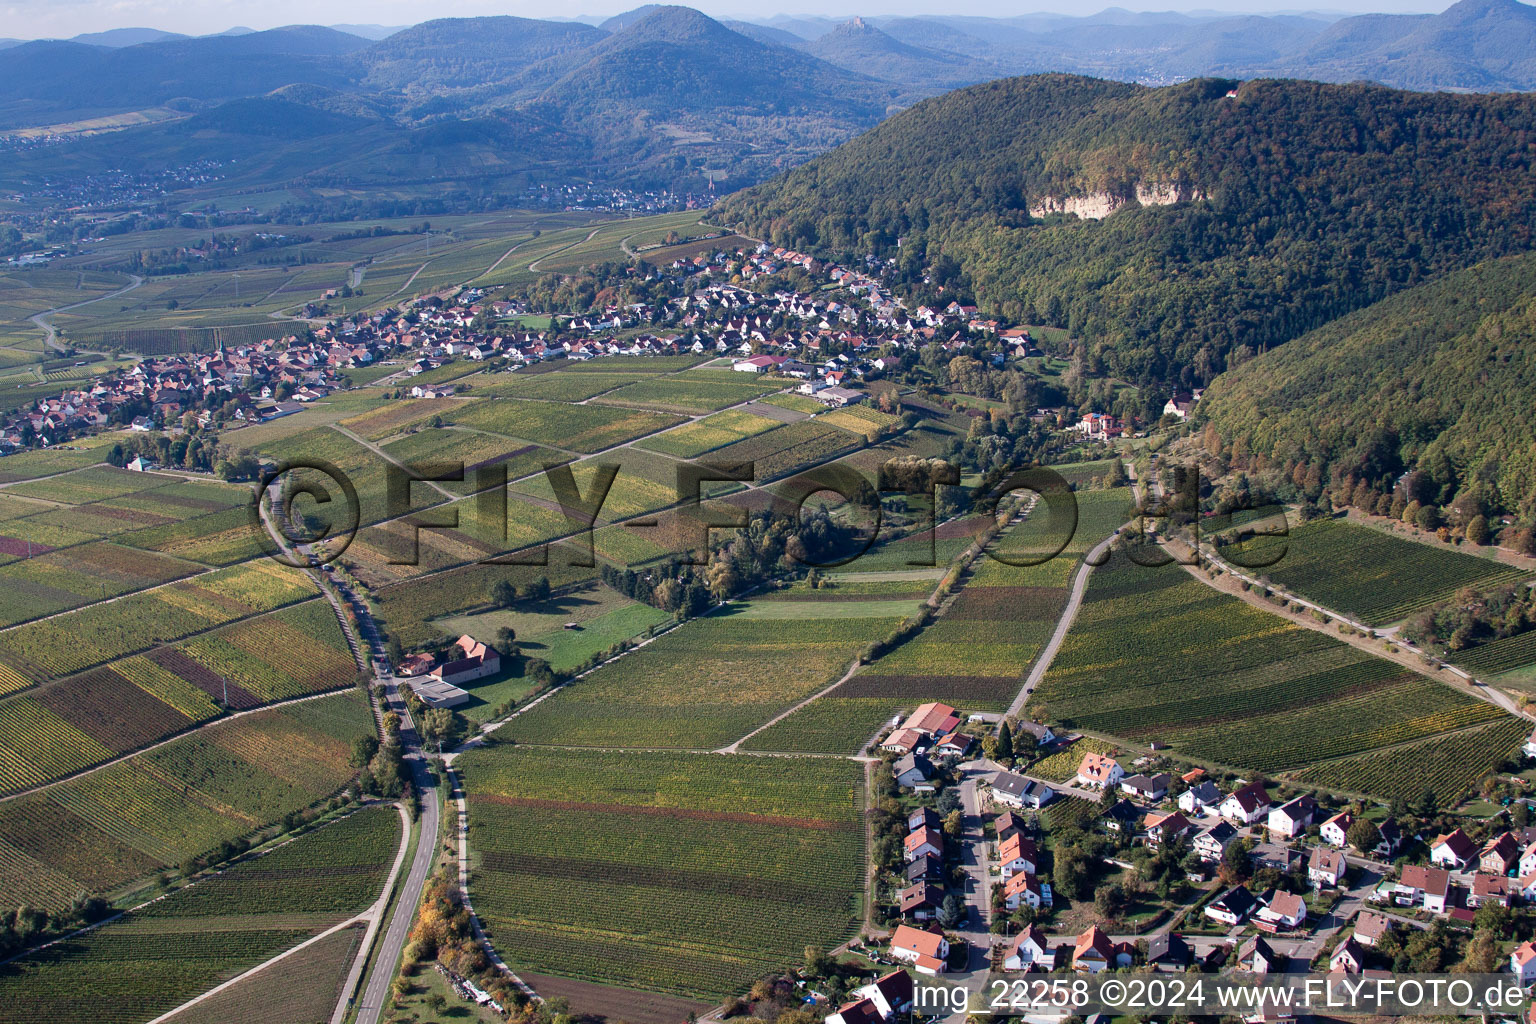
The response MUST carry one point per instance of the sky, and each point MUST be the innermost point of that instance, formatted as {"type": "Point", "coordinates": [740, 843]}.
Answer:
{"type": "Point", "coordinates": [46, 19]}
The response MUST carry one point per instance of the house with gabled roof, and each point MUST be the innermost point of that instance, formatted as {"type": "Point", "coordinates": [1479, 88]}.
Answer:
{"type": "Point", "coordinates": [1246, 804]}
{"type": "Point", "coordinates": [924, 842]}
{"type": "Point", "coordinates": [1200, 798]}
{"type": "Point", "coordinates": [1454, 850]}
{"type": "Point", "coordinates": [921, 902]}
{"type": "Point", "coordinates": [1025, 889]}
{"type": "Point", "coordinates": [1499, 855]}
{"type": "Point", "coordinates": [1098, 771]}
{"type": "Point", "coordinates": [1291, 818]}
{"type": "Point", "coordinates": [1017, 854]}
{"type": "Point", "coordinates": [925, 950]}
{"type": "Point", "coordinates": [1028, 949]}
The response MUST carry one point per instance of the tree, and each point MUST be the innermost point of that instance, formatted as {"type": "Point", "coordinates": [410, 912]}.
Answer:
{"type": "Point", "coordinates": [1427, 517]}
{"type": "Point", "coordinates": [1477, 530]}
{"type": "Point", "coordinates": [363, 749]}
{"type": "Point", "coordinates": [1003, 750]}
{"type": "Point", "coordinates": [503, 594]}
{"type": "Point", "coordinates": [1070, 874]}
{"type": "Point", "coordinates": [817, 962]}
{"type": "Point", "coordinates": [1363, 835]}
{"type": "Point", "coordinates": [506, 640]}
{"type": "Point", "coordinates": [952, 912]}
{"type": "Point", "coordinates": [538, 590]}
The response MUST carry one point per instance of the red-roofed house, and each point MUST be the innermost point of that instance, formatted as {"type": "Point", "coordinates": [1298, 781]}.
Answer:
{"type": "Point", "coordinates": [924, 950]}
{"type": "Point", "coordinates": [1099, 771]}
{"type": "Point", "coordinates": [1454, 850]}
{"type": "Point", "coordinates": [478, 661]}
{"type": "Point", "coordinates": [934, 719]}
{"type": "Point", "coordinates": [1523, 962]}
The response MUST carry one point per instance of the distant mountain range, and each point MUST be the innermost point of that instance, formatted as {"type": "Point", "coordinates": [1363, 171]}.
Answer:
{"type": "Point", "coordinates": [665, 95]}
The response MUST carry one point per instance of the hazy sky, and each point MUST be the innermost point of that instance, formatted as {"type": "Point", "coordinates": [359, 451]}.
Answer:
{"type": "Point", "coordinates": [34, 19]}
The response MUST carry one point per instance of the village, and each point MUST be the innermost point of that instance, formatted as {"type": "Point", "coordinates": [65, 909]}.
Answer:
{"type": "Point", "coordinates": [1193, 872]}
{"type": "Point", "coordinates": [860, 333]}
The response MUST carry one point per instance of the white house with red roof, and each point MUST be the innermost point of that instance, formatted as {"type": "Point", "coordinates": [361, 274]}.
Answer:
{"type": "Point", "coordinates": [933, 718]}
{"type": "Point", "coordinates": [476, 661]}
{"type": "Point", "coordinates": [1099, 771]}
{"type": "Point", "coordinates": [924, 950]}
{"type": "Point", "coordinates": [1454, 850]}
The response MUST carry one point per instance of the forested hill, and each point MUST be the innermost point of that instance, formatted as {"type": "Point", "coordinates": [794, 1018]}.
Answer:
{"type": "Point", "coordinates": [1439, 378]}
{"type": "Point", "coordinates": [1299, 202]}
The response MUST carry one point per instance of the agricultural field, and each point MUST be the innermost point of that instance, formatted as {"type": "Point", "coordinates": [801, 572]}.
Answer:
{"type": "Point", "coordinates": [795, 403]}
{"type": "Point", "coordinates": [59, 580]}
{"type": "Point", "coordinates": [1446, 766]}
{"type": "Point", "coordinates": [118, 824]}
{"type": "Point", "coordinates": [788, 448]}
{"type": "Point", "coordinates": [78, 454]}
{"type": "Point", "coordinates": [832, 724]}
{"type": "Point", "coordinates": [401, 550]}
{"type": "Point", "coordinates": [602, 617]}
{"type": "Point", "coordinates": [153, 959]}
{"type": "Point", "coordinates": [578, 428]}
{"type": "Point", "coordinates": [644, 483]}
{"type": "Point", "coordinates": [80, 639]}
{"type": "Point", "coordinates": [1370, 574]}
{"type": "Point", "coordinates": [708, 683]}
{"type": "Point", "coordinates": [302, 989]}
{"type": "Point", "coordinates": [473, 450]}
{"type": "Point", "coordinates": [554, 387]}
{"type": "Point", "coordinates": [705, 435]}
{"type": "Point", "coordinates": [1508, 661]}
{"type": "Point", "coordinates": [407, 609]}
{"type": "Point", "coordinates": [1157, 655]}
{"type": "Point", "coordinates": [682, 394]}
{"type": "Point", "coordinates": [752, 861]}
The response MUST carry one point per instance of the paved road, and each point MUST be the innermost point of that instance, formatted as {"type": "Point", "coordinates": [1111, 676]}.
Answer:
{"type": "Point", "coordinates": [376, 994]}
{"type": "Point", "coordinates": [1063, 624]}
{"type": "Point", "coordinates": [41, 319]}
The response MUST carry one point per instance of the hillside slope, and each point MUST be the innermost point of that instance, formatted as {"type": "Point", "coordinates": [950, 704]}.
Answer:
{"type": "Point", "coordinates": [1266, 214]}
{"type": "Point", "coordinates": [1438, 378]}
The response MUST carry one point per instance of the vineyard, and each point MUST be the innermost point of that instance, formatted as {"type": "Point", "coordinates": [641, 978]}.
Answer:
{"type": "Point", "coordinates": [154, 959]}
{"type": "Point", "coordinates": [90, 636]}
{"type": "Point", "coordinates": [1501, 655]}
{"type": "Point", "coordinates": [749, 862]}
{"type": "Point", "coordinates": [694, 439]}
{"type": "Point", "coordinates": [703, 685]}
{"type": "Point", "coordinates": [83, 574]}
{"type": "Point", "coordinates": [1368, 573]}
{"type": "Point", "coordinates": [1063, 764]}
{"type": "Point", "coordinates": [120, 823]}
{"type": "Point", "coordinates": [684, 394]}
{"type": "Point", "coordinates": [783, 450]}
{"type": "Point", "coordinates": [302, 989]}
{"type": "Point", "coordinates": [579, 428]}
{"type": "Point", "coordinates": [1447, 766]}
{"type": "Point", "coordinates": [833, 724]}
{"type": "Point", "coordinates": [1155, 654]}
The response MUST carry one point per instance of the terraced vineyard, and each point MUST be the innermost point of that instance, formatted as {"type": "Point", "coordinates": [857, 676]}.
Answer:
{"type": "Point", "coordinates": [156, 958]}
{"type": "Point", "coordinates": [1156, 655]}
{"type": "Point", "coordinates": [120, 823]}
{"type": "Point", "coordinates": [752, 860]}
{"type": "Point", "coordinates": [1370, 574]}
